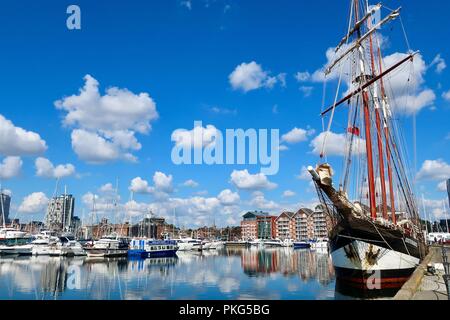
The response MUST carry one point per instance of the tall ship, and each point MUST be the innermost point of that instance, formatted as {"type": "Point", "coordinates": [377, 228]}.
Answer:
{"type": "Point", "coordinates": [377, 240]}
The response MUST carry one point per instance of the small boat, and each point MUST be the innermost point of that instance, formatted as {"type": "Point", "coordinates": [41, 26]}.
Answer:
{"type": "Point", "coordinates": [106, 247]}
{"type": "Point", "coordinates": [145, 248]}
{"type": "Point", "coordinates": [184, 244]}
{"type": "Point", "coordinates": [14, 242]}
{"type": "Point", "coordinates": [277, 243]}
{"type": "Point", "coordinates": [197, 245]}
{"type": "Point", "coordinates": [73, 247]}
{"type": "Point", "coordinates": [217, 245]}
{"type": "Point", "coordinates": [11, 234]}
{"type": "Point", "coordinates": [302, 245]}
{"type": "Point", "coordinates": [206, 244]}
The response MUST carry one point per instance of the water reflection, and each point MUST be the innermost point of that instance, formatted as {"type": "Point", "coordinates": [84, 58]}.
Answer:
{"type": "Point", "coordinates": [227, 274]}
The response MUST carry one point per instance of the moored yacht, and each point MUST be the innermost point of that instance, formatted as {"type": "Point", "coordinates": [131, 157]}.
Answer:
{"type": "Point", "coordinates": [277, 243]}
{"type": "Point", "coordinates": [109, 246]}
{"type": "Point", "coordinates": [14, 242]}
{"type": "Point", "coordinates": [184, 244]}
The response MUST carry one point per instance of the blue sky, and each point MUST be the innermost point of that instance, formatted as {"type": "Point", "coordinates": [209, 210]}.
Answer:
{"type": "Point", "coordinates": [180, 55]}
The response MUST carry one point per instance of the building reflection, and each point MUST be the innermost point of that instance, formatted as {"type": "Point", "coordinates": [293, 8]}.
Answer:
{"type": "Point", "coordinates": [305, 264]}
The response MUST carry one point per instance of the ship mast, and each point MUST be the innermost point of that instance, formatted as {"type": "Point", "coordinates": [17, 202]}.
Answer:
{"type": "Point", "coordinates": [367, 122]}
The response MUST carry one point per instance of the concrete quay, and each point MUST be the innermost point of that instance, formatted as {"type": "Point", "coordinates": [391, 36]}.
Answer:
{"type": "Point", "coordinates": [423, 285]}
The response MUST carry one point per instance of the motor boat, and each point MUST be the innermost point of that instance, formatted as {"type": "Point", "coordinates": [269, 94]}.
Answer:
{"type": "Point", "coordinates": [184, 244]}
{"type": "Point", "coordinates": [72, 246]}
{"type": "Point", "coordinates": [145, 248]}
{"type": "Point", "coordinates": [277, 243]}
{"type": "Point", "coordinates": [109, 246]}
{"type": "Point", "coordinates": [302, 245]}
{"type": "Point", "coordinates": [14, 242]}
{"type": "Point", "coordinates": [217, 245]}
{"type": "Point", "coordinates": [48, 244]}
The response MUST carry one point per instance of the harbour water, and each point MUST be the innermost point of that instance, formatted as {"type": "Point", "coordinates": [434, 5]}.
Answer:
{"type": "Point", "coordinates": [272, 274]}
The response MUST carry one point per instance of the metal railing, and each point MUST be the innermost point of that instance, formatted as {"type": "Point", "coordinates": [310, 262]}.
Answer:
{"type": "Point", "coordinates": [445, 251]}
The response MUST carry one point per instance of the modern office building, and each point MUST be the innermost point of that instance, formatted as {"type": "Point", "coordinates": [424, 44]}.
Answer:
{"type": "Point", "coordinates": [60, 213]}
{"type": "Point", "coordinates": [5, 202]}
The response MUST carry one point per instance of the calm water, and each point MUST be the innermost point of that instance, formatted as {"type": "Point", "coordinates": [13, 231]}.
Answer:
{"type": "Point", "coordinates": [229, 274]}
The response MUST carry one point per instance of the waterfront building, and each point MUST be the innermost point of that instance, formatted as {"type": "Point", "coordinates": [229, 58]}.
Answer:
{"type": "Point", "coordinates": [321, 222]}
{"type": "Point", "coordinates": [258, 225]}
{"type": "Point", "coordinates": [285, 226]}
{"type": "Point", "coordinates": [5, 202]}
{"type": "Point", "coordinates": [150, 227]}
{"type": "Point", "coordinates": [304, 225]}
{"type": "Point", "coordinates": [60, 213]}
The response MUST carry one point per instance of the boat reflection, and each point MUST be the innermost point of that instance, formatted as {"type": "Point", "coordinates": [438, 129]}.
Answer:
{"type": "Point", "coordinates": [219, 274]}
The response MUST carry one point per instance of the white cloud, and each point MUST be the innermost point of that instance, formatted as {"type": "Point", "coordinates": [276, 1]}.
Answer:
{"type": "Point", "coordinates": [411, 104]}
{"type": "Point", "coordinates": [34, 203]}
{"type": "Point", "coordinates": [162, 185]}
{"type": "Point", "coordinates": [260, 202]}
{"type": "Point", "coordinates": [440, 64]}
{"type": "Point", "coordinates": [246, 181]}
{"type": "Point", "coordinates": [190, 184]}
{"type": "Point", "coordinates": [15, 141]}
{"type": "Point", "coordinates": [434, 170]}
{"type": "Point", "coordinates": [406, 82]}
{"type": "Point", "coordinates": [435, 209]}
{"type": "Point", "coordinates": [229, 198]}
{"type": "Point", "coordinates": [138, 185]}
{"type": "Point", "coordinates": [304, 174]}
{"type": "Point", "coordinates": [46, 169]}
{"type": "Point", "coordinates": [446, 95]}
{"type": "Point", "coordinates": [251, 76]}
{"type": "Point", "coordinates": [107, 188]}
{"type": "Point", "coordinates": [297, 135]}
{"type": "Point", "coordinates": [282, 147]}
{"type": "Point", "coordinates": [306, 90]}
{"type": "Point", "coordinates": [198, 137]}
{"type": "Point", "coordinates": [302, 76]}
{"type": "Point", "coordinates": [163, 182]}
{"type": "Point", "coordinates": [187, 4]}
{"type": "Point", "coordinates": [10, 167]}
{"type": "Point", "coordinates": [288, 194]}
{"type": "Point", "coordinates": [108, 123]}
{"type": "Point", "coordinates": [336, 144]}
{"type": "Point", "coordinates": [442, 186]}
{"type": "Point", "coordinates": [411, 77]}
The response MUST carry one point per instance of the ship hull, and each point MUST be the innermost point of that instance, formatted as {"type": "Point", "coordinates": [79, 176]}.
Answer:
{"type": "Point", "coordinates": [369, 257]}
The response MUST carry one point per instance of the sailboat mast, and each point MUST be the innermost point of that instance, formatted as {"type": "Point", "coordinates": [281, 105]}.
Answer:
{"type": "Point", "coordinates": [367, 123]}
{"type": "Point", "coordinates": [386, 137]}
{"type": "Point", "coordinates": [378, 127]}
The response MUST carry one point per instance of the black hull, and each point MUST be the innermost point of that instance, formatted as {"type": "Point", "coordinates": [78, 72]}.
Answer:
{"type": "Point", "coordinates": [370, 259]}
{"type": "Point", "coordinates": [346, 231]}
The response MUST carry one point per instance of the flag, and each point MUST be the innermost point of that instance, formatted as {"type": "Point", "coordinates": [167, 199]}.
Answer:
{"type": "Point", "coordinates": [354, 130]}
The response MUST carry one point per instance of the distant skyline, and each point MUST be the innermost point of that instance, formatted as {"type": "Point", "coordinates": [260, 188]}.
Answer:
{"type": "Point", "coordinates": [98, 108]}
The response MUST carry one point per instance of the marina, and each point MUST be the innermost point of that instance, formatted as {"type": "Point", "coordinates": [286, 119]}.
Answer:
{"type": "Point", "coordinates": [315, 168]}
